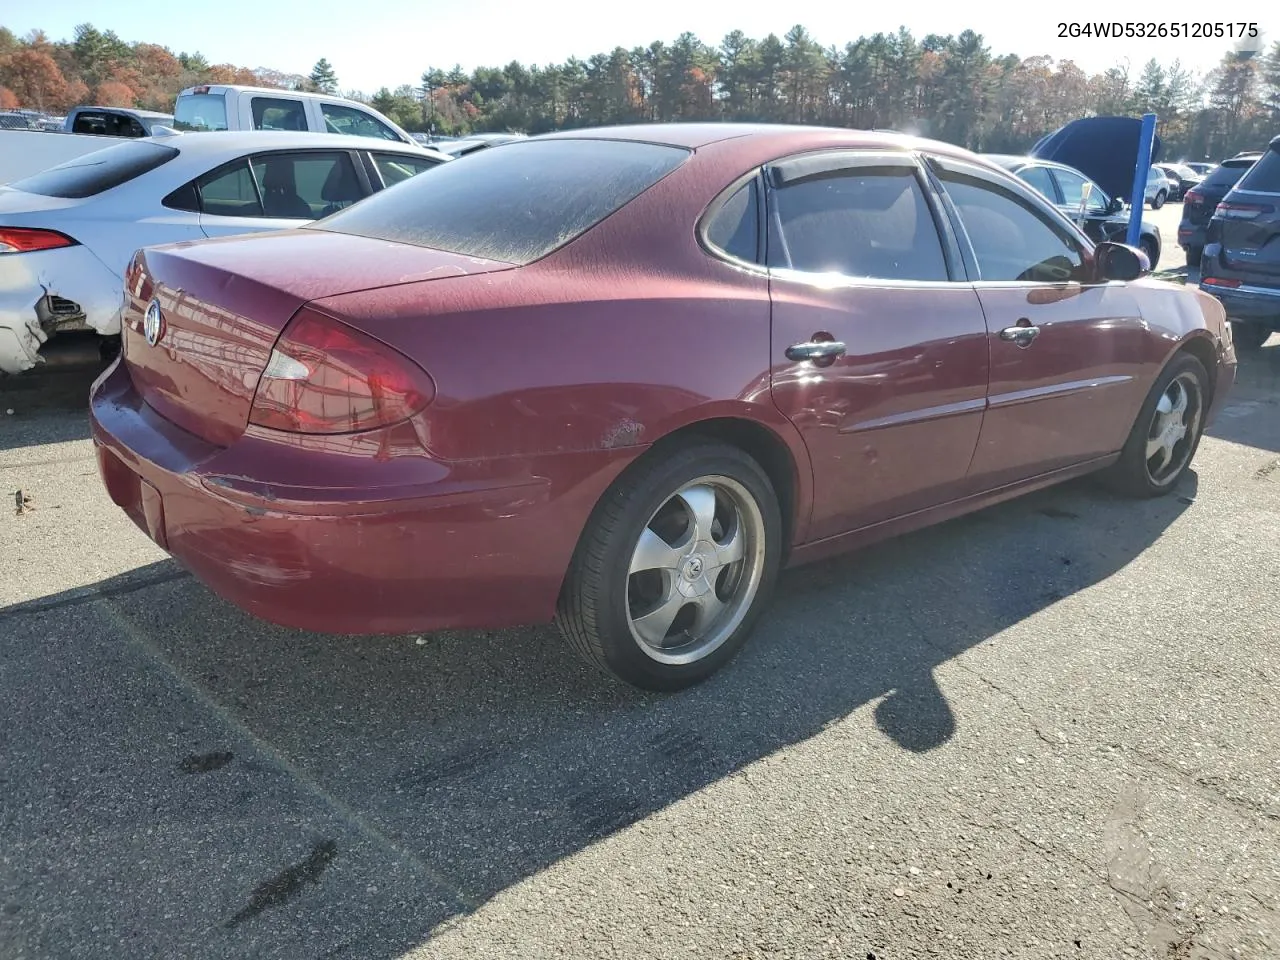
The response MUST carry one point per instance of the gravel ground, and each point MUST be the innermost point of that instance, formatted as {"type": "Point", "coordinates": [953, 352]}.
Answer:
{"type": "Point", "coordinates": [1046, 730]}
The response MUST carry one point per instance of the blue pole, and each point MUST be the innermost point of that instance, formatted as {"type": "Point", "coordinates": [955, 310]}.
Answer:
{"type": "Point", "coordinates": [1140, 174]}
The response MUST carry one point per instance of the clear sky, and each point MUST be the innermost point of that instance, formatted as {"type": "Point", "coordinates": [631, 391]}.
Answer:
{"type": "Point", "coordinates": [389, 42]}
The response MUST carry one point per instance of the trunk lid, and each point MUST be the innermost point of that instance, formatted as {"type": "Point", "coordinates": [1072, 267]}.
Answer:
{"type": "Point", "coordinates": [224, 303]}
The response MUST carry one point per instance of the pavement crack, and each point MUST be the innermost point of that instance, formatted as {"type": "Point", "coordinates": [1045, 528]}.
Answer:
{"type": "Point", "coordinates": [1206, 785]}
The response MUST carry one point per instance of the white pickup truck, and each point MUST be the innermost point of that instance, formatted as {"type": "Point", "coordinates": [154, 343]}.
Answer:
{"type": "Point", "coordinates": [229, 107]}
{"type": "Point", "coordinates": [212, 107]}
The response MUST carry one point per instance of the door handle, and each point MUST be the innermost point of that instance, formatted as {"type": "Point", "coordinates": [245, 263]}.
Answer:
{"type": "Point", "coordinates": [816, 350]}
{"type": "Point", "coordinates": [1022, 336]}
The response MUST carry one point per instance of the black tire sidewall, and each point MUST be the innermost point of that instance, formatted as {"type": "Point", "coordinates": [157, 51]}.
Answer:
{"type": "Point", "coordinates": [1131, 469]}
{"type": "Point", "coordinates": [622, 652]}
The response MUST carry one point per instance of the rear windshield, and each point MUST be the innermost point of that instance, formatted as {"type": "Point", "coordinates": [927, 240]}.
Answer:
{"type": "Point", "coordinates": [515, 202]}
{"type": "Point", "coordinates": [200, 111]}
{"type": "Point", "coordinates": [1226, 174]}
{"type": "Point", "coordinates": [97, 172]}
{"type": "Point", "coordinates": [1263, 176]}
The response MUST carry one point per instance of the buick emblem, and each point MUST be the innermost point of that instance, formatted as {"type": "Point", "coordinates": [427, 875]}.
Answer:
{"type": "Point", "coordinates": [153, 323]}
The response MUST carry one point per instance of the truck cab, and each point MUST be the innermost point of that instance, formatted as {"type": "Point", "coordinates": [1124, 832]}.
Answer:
{"type": "Point", "coordinates": [233, 107]}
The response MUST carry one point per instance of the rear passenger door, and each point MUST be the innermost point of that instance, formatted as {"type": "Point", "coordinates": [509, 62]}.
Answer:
{"type": "Point", "coordinates": [878, 355]}
{"type": "Point", "coordinates": [275, 191]}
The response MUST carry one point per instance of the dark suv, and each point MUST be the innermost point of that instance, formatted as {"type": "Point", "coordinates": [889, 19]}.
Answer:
{"type": "Point", "coordinates": [1241, 264]}
{"type": "Point", "coordinates": [1199, 202]}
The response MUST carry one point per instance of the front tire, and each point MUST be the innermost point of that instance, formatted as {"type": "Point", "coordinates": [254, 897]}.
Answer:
{"type": "Point", "coordinates": [1166, 435]}
{"type": "Point", "coordinates": [1249, 336]}
{"type": "Point", "coordinates": [674, 568]}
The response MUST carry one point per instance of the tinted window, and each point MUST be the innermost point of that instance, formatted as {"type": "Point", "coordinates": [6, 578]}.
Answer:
{"type": "Point", "coordinates": [96, 172]}
{"type": "Point", "coordinates": [1011, 239]}
{"type": "Point", "coordinates": [1072, 185]}
{"type": "Point", "coordinates": [1227, 174]}
{"type": "Point", "coordinates": [1263, 176]}
{"type": "Point", "coordinates": [515, 204]}
{"type": "Point", "coordinates": [395, 167]}
{"type": "Point", "coordinates": [306, 186]}
{"type": "Point", "coordinates": [230, 191]}
{"type": "Point", "coordinates": [735, 227]}
{"type": "Point", "coordinates": [339, 119]}
{"type": "Point", "coordinates": [278, 114]}
{"type": "Point", "coordinates": [1038, 177]}
{"type": "Point", "coordinates": [200, 111]}
{"type": "Point", "coordinates": [107, 125]}
{"type": "Point", "coordinates": [866, 222]}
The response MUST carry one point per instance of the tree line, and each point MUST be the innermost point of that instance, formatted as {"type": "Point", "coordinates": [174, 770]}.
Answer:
{"type": "Point", "coordinates": [952, 88]}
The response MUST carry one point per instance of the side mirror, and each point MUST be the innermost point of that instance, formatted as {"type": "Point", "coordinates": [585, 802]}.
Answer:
{"type": "Point", "coordinates": [1115, 206]}
{"type": "Point", "coordinates": [1117, 261]}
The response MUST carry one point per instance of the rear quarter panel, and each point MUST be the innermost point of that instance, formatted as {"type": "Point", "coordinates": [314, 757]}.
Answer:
{"type": "Point", "coordinates": [627, 334]}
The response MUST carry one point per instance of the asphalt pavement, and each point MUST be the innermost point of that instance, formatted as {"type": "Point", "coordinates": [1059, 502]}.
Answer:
{"type": "Point", "coordinates": [1050, 729]}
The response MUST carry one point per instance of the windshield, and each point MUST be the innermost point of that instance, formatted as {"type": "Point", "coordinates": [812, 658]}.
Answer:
{"type": "Point", "coordinates": [515, 203]}
{"type": "Point", "coordinates": [97, 172]}
{"type": "Point", "coordinates": [200, 111]}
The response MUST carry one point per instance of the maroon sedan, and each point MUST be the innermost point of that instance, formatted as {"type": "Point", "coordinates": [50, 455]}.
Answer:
{"type": "Point", "coordinates": [619, 377]}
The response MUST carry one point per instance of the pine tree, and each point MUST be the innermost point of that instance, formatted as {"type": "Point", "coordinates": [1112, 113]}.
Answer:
{"type": "Point", "coordinates": [322, 78]}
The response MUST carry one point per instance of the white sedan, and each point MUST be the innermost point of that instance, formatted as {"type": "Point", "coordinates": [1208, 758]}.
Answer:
{"type": "Point", "coordinates": [67, 234]}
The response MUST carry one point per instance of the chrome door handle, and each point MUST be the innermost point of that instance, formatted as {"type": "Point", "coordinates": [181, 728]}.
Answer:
{"type": "Point", "coordinates": [1022, 336]}
{"type": "Point", "coordinates": [816, 350]}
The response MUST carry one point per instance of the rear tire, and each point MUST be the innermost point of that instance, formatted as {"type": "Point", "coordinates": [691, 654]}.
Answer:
{"type": "Point", "coordinates": [1194, 256]}
{"type": "Point", "coordinates": [1249, 337]}
{"type": "Point", "coordinates": [1158, 200]}
{"type": "Point", "coordinates": [1166, 435]}
{"type": "Point", "coordinates": [674, 568]}
{"type": "Point", "coordinates": [1149, 248]}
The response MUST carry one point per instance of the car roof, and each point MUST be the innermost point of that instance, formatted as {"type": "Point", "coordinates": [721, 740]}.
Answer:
{"type": "Point", "coordinates": [199, 142]}
{"type": "Point", "coordinates": [696, 135]}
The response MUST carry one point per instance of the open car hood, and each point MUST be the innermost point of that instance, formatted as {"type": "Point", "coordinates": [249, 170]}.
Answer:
{"type": "Point", "coordinates": [1104, 149]}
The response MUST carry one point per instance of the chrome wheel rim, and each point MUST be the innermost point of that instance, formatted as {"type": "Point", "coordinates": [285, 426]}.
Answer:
{"type": "Point", "coordinates": [1174, 427]}
{"type": "Point", "coordinates": [695, 570]}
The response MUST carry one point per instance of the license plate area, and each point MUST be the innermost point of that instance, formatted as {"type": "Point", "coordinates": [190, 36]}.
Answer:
{"type": "Point", "coordinates": [139, 499]}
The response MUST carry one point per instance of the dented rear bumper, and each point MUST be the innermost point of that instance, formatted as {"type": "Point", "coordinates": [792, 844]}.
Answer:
{"type": "Point", "coordinates": [44, 291]}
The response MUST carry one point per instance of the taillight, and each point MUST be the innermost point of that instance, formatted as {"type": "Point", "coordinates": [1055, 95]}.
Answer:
{"type": "Point", "coordinates": [325, 377]}
{"type": "Point", "coordinates": [29, 240]}
{"type": "Point", "coordinates": [1241, 211]}
{"type": "Point", "coordinates": [1220, 282]}
{"type": "Point", "coordinates": [1193, 197]}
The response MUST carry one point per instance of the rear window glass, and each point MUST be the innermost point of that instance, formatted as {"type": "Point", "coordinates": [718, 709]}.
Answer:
{"type": "Point", "coordinates": [97, 172]}
{"type": "Point", "coordinates": [515, 204]}
{"type": "Point", "coordinates": [1226, 174]}
{"type": "Point", "coordinates": [735, 226]}
{"type": "Point", "coordinates": [1263, 176]}
{"type": "Point", "coordinates": [200, 111]}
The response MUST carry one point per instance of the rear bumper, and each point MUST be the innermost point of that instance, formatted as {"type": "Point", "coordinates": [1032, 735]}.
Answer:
{"type": "Point", "coordinates": [443, 546]}
{"type": "Point", "coordinates": [1250, 304]}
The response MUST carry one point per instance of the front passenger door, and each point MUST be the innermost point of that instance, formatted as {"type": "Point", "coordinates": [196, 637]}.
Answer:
{"type": "Point", "coordinates": [1067, 353]}
{"type": "Point", "coordinates": [878, 357]}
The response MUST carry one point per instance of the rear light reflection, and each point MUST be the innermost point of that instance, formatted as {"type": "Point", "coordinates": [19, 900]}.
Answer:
{"type": "Point", "coordinates": [1220, 282]}
{"type": "Point", "coordinates": [325, 377]}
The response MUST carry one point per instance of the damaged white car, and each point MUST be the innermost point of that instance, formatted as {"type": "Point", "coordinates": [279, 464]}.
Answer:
{"type": "Point", "coordinates": [67, 234]}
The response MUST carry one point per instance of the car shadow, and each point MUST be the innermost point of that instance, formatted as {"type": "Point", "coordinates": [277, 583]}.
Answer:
{"type": "Point", "coordinates": [45, 406]}
{"type": "Point", "coordinates": [480, 758]}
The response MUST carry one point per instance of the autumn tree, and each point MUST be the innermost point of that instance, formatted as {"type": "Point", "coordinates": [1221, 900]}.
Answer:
{"type": "Point", "coordinates": [113, 93]}
{"type": "Point", "coordinates": [35, 79]}
{"type": "Point", "coordinates": [8, 99]}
